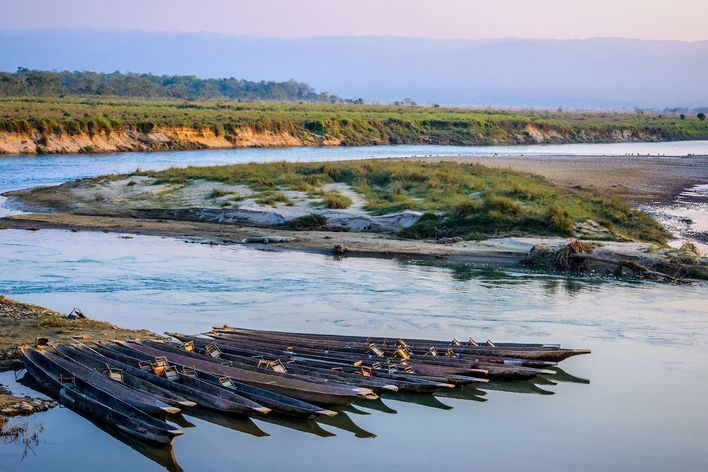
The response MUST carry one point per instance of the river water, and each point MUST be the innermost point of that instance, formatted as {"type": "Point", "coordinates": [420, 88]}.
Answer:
{"type": "Point", "coordinates": [643, 404]}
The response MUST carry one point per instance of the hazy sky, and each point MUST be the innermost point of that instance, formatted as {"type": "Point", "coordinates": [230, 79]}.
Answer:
{"type": "Point", "coordinates": [645, 19]}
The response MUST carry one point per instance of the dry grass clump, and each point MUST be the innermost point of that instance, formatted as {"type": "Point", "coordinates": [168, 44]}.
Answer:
{"type": "Point", "coordinates": [336, 201]}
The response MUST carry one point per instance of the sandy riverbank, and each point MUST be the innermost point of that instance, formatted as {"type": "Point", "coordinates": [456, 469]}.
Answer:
{"type": "Point", "coordinates": [639, 179]}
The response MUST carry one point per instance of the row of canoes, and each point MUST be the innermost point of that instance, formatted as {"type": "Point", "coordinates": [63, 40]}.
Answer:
{"type": "Point", "coordinates": [135, 385]}
{"type": "Point", "coordinates": [447, 362]}
{"type": "Point", "coordinates": [517, 351]}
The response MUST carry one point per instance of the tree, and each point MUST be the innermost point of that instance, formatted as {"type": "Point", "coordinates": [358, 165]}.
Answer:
{"type": "Point", "coordinates": [701, 116]}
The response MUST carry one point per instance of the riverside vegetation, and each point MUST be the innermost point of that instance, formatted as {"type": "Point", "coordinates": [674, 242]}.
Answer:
{"type": "Point", "coordinates": [451, 199]}
{"type": "Point", "coordinates": [456, 199]}
{"type": "Point", "coordinates": [39, 121]}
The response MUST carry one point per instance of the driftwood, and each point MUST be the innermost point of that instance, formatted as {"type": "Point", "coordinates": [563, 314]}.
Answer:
{"type": "Point", "coordinates": [578, 255]}
{"type": "Point", "coordinates": [636, 267]}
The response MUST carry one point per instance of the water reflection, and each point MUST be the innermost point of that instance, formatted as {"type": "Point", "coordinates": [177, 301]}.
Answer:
{"type": "Point", "coordinates": [563, 376]}
{"type": "Point", "coordinates": [422, 399]}
{"type": "Point", "coordinates": [303, 425]}
{"type": "Point", "coordinates": [15, 431]}
{"type": "Point", "coordinates": [494, 276]}
{"type": "Point", "coordinates": [344, 422]}
{"type": "Point", "coordinates": [518, 386]}
{"type": "Point", "coordinates": [377, 405]}
{"type": "Point", "coordinates": [242, 424]}
{"type": "Point", "coordinates": [163, 455]}
{"type": "Point", "coordinates": [466, 392]}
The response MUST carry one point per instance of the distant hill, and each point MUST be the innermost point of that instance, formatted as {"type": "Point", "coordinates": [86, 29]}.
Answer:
{"type": "Point", "coordinates": [594, 73]}
{"type": "Point", "coordinates": [25, 82]}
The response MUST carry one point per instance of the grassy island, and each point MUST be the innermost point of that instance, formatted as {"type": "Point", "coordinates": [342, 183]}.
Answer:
{"type": "Point", "coordinates": [415, 199]}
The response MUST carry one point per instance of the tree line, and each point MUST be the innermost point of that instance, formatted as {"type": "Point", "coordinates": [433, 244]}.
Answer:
{"type": "Point", "coordinates": [37, 83]}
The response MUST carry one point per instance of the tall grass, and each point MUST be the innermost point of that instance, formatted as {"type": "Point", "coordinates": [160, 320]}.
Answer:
{"type": "Point", "coordinates": [457, 199]}
{"type": "Point", "coordinates": [351, 124]}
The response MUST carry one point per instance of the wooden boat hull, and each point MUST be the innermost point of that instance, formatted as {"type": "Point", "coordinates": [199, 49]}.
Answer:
{"type": "Point", "coordinates": [294, 371]}
{"type": "Point", "coordinates": [96, 363]}
{"type": "Point", "coordinates": [142, 400]}
{"type": "Point", "coordinates": [306, 391]}
{"type": "Point", "coordinates": [512, 350]}
{"type": "Point", "coordinates": [438, 366]}
{"type": "Point", "coordinates": [402, 382]}
{"type": "Point", "coordinates": [204, 395]}
{"type": "Point", "coordinates": [97, 404]}
{"type": "Point", "coordinates": [280, 403]}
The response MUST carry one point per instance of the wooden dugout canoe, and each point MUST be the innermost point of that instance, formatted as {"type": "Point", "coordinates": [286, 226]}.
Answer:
{"type": "Point", "coordinates": [94, 402]}
{"type": "Point", "coordinates": [102, 366]}
{"type": "Point", "coordinates": [307, 391]}
{"type": "Point", "coordinates": [317, 367]}
{"type": "Point", "coordinates": [274, 401]}
{"type": "Point", "coordinates": [439, 366]}
{"type": "Point", "coordinates": [540, 352]}
{"type": "Point", "coordinates": [293, 372]}
{"type": "Point", "coordinates": [141, 400]}
{"type": "Point", "coordinates": [203, 393]}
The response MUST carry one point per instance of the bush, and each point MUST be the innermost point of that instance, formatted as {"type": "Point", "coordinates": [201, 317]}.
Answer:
{"type": "Point", "coordinates": [336, 201]}
{"type": "Point", "coordinates": [560, 220]}
{"type": "Point", "coordinates": [273, 198]}
{"type": "Point", "coordinates": [308, 222]}
{"type": "Point", "coordinates": [503, 205]}
{"type": "Point", "coordinates": [217, 193]}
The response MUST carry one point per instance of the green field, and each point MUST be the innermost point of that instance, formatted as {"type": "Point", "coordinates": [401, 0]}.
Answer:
{"type": "Point", "coordinates": [467, 200]}
{"type": "Point", "coordinates": [353, 124]}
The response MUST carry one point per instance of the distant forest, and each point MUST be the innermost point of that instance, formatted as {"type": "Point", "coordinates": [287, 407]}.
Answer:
{"type": "Point", "coordinates": [37, 83]}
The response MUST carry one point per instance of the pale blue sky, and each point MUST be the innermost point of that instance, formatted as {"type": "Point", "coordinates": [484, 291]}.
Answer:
{"type": "Point", "coordinates": [474, 19]}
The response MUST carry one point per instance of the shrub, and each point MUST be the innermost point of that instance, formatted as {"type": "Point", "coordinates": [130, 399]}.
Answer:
{"type": "Point", "coordinates": [217, 193]}
{"type": "Point", "coordinates": [336, 201]}
{"type": "Point", "coordinates": [308, 222]}
{"type": "Point", "coordinates": [560, 220]}
{"type": "Point", "coordinates": [503, 205]}
{"type": "Point", "coordinates": [273, 198]}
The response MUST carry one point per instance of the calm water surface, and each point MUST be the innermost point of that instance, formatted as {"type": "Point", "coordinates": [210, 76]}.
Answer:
{"type": "Point", "coordinates": [29, 171]}
{"type": "Point", "coordinates": [645, 406]}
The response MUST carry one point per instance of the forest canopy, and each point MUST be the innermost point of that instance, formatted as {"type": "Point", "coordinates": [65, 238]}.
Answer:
{"type": "Point", "coordinates": [36, 83]}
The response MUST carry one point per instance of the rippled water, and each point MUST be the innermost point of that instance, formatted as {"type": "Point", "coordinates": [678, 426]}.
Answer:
{"type": "Point", "coordinates": [645, 406]}
{"type": "Point", "coordinates": [29, 171]}
{"type": "Point", "coordinates": [687, 216]}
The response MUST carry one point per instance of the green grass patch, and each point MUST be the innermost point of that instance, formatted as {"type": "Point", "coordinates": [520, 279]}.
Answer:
{"type": "Point", "coordinates": [218, 193]}
{"type": "Point", "coordinates": [272, 198]}
{"type": "Point", "coordinates": [351, 124]}
{"type": "Point", "coordinates": [457, 199]}
{"type": "Point", "coordinates": [310, 222]}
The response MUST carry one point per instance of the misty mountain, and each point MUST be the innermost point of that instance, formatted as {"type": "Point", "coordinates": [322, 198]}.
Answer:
{"type": "Point", "coordinates": [609, 73]}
